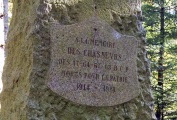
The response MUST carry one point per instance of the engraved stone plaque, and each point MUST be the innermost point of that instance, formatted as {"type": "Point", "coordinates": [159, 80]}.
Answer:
{"type": "Point", "coordinates": [92, 64]}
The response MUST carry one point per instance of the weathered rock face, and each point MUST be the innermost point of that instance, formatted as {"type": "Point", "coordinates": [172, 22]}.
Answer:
{"type": "Point", "coordinates": [26, 93]}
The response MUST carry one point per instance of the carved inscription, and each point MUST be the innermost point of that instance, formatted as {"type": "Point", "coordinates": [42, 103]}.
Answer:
{"type": "Point", "coordinates": [92, 64]}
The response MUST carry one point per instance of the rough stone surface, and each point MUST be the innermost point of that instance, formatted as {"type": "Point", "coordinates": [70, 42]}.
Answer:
{"type": "Point", "coordinates": [25, 94]}
{"type": "Point", "coordinates": [92, 64]}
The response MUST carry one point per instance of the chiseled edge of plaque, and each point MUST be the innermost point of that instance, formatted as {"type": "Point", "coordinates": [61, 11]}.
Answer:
{"type": "Point", "coordinates": [63, 37]}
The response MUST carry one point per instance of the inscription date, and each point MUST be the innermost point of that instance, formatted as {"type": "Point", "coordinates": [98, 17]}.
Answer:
{"type": "Point", "coordinates": [89, 87]}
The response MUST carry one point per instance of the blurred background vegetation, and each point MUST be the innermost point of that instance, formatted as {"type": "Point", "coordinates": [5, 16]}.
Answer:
{"type": "Point", "coordinates": [160, 22]}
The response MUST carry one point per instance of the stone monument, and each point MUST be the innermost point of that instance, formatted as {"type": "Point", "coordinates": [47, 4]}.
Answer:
{"type": "Point", "coordinates": [76, 60]}
{"type": "Point", "coordinates": [93, 62]}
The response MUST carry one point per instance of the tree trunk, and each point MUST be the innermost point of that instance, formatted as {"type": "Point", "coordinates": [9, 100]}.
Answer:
{"type": "Point", "coordinates": [26, 94]}
{"type": "Point", "coordinates": [1, 42]}
{"type": "Point", "coordinates": [160, 106]}
{"type": "Point", "coordinates": [5, 3]}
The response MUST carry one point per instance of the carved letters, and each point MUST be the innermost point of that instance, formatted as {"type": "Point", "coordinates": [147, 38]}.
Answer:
{"type": "Point", "coordinates": [92, 64]}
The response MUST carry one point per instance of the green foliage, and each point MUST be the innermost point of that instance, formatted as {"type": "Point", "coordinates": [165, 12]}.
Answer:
{"type": "Point", "coordinates": [165, 95]}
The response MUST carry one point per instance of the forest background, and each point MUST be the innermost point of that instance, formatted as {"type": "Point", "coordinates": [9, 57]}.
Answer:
{"type": "Point", "coordinates": [160, 23]}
